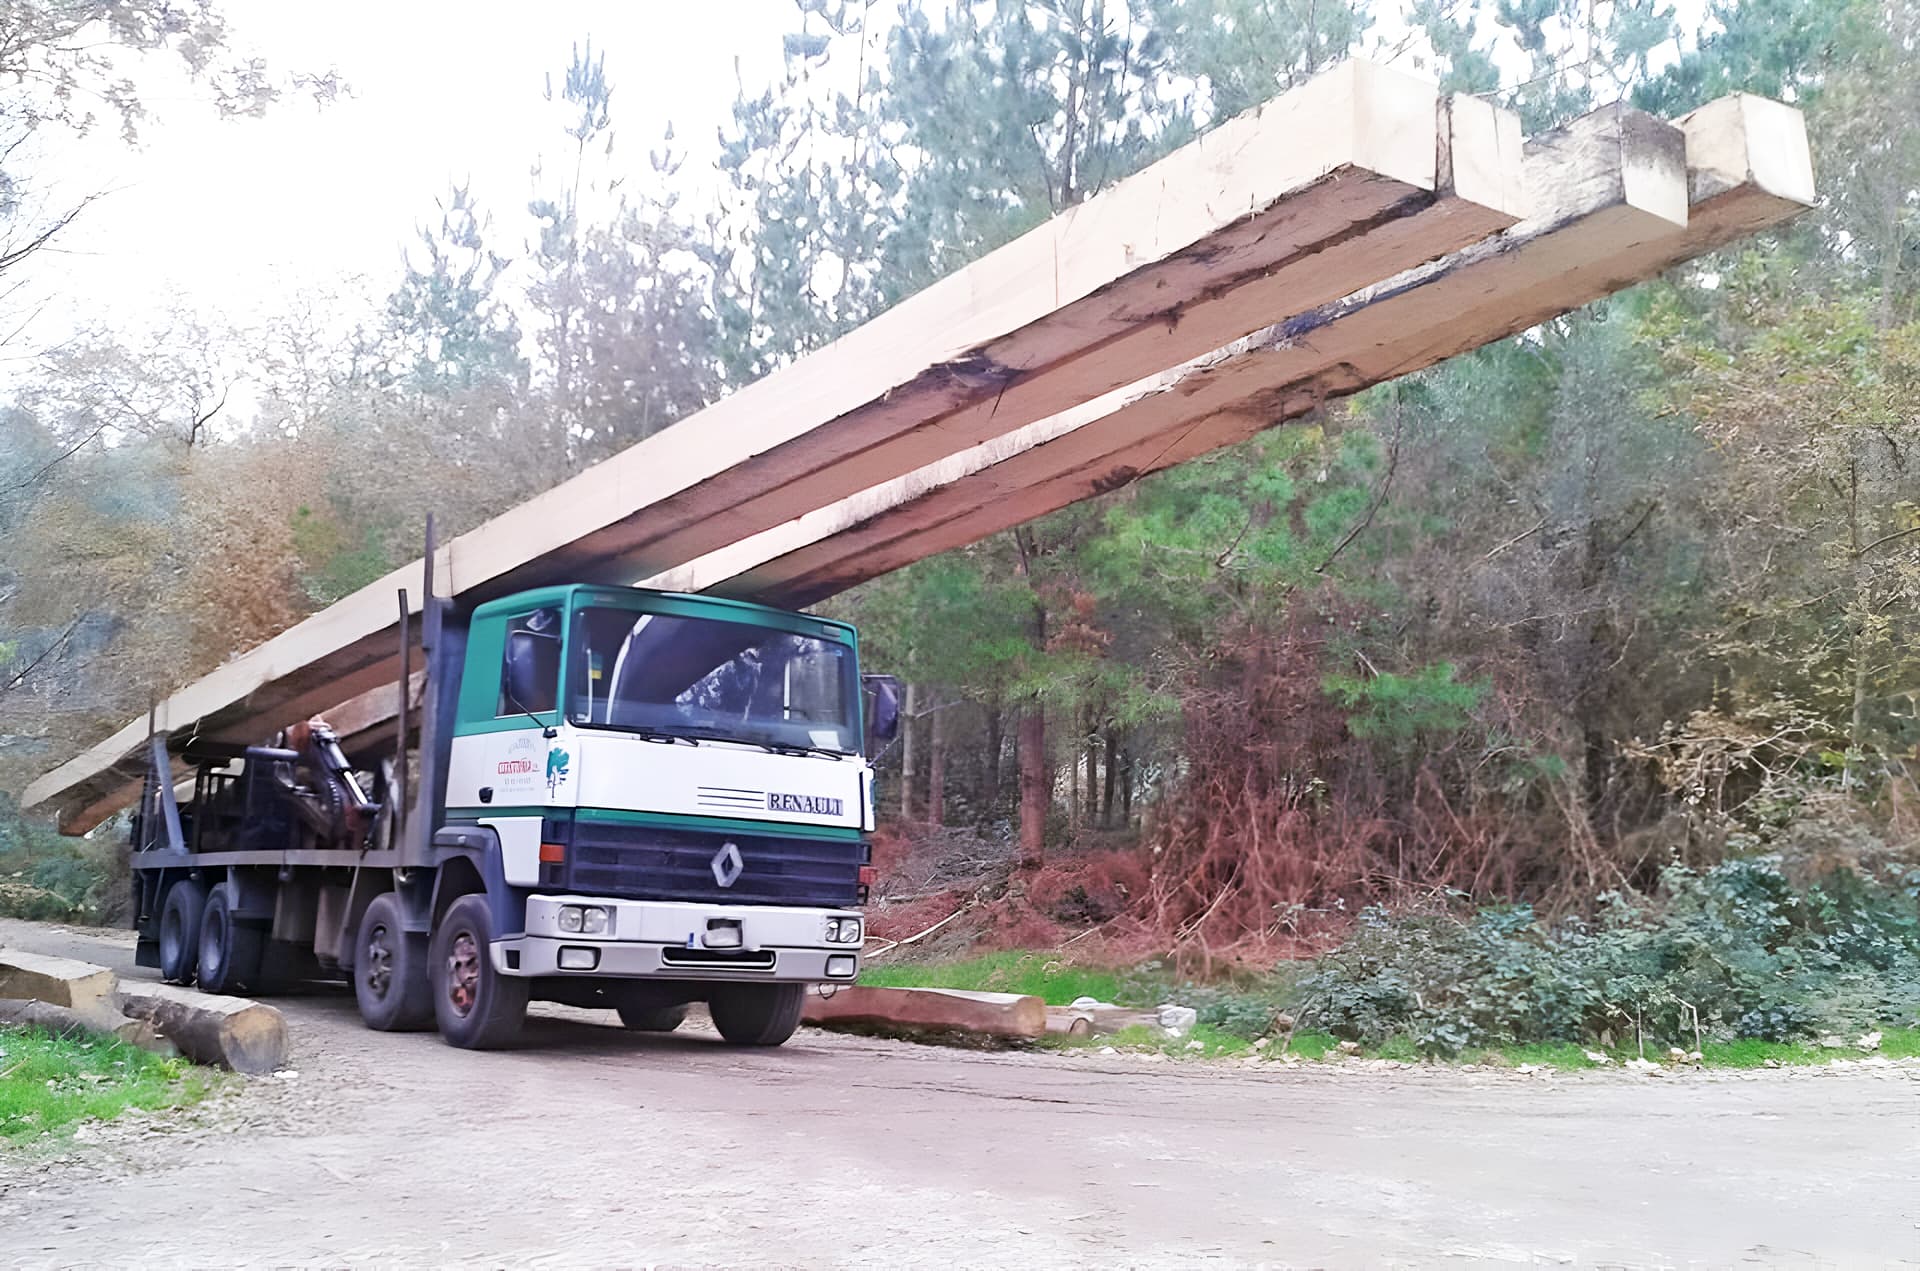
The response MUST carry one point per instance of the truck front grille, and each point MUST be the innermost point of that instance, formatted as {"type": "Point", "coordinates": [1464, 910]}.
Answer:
{"type": "Point", "coordinates": [610, 859]}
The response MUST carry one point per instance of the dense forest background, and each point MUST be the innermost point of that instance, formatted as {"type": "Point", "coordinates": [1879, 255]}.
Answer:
{"type": "Point", "coordinates": [1637, 587]}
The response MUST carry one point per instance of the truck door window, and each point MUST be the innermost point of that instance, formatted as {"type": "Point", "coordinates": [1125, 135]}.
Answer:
{"type": "Point", "coordinates": [530, 669]}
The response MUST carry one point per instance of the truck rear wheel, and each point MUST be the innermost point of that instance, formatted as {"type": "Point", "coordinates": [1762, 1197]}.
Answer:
{"type": "Point", "coordinates": [180, 931]}
{"type": "Point", "coordinates": [477, 1007]}
{"type": "Point", "coordinates": [230, 950]}
{"type": "Point", "coordinates": [390, 979]}
{"type": "Point", "coordinates": [652, 1019]}
{"type": "Point", "coordinates": [757, 1014]}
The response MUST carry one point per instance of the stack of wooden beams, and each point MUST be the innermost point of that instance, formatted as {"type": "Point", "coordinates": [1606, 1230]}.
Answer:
{"type": "Point", "coordinates": [1356, 229]}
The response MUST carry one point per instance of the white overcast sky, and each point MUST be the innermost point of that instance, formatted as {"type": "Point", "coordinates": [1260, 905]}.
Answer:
{"type": "Point", "coordinates": [232, 216]}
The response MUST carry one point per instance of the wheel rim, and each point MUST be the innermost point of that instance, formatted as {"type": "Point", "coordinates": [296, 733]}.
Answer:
{"type": "Point", "coordinates": [379, 961]}
{"type": "Point", "coordinates": [213, 947]}
{"type": "Point", "coordinates": [463, 973]}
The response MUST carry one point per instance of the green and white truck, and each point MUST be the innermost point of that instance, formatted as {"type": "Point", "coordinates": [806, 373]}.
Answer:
{"type": "Point", "coordinates": [621, 798]}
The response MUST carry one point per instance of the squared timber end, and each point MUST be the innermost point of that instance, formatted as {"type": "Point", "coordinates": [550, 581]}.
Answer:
{"type": "Point", "coordinates": [1742, 140]}
{"type": "Point", "coordinates": [1614, 157]}
{"type": "Point", "coordinates": [1393, 120]}
{"type": "Point", "coordinates": [1482, 157]}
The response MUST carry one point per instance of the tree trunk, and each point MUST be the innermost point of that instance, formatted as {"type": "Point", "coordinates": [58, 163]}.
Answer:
{"type": "Point", "coordinates": [907, 730]}
{"type": "Point", "coordinates": [1862, 580]}
{"type": "Point", "coordinates": [937, 771]}
{"type": "Point", "coordinates": [1110, 744]}
{"type": "Point", "coordinates": [1126, 786]}
{"type": "Point", "coordinates": [1036, 785]}
{"type": "Point", "coordinates": [1073, 784]}
{"type": "Point", "coordinates": [996, 742]}
{"type": "Point", "coordinates": [1091, 746]}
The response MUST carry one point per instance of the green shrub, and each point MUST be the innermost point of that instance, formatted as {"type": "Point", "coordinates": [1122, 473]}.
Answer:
{"type": "Point", "coordinates": [1734, 951]}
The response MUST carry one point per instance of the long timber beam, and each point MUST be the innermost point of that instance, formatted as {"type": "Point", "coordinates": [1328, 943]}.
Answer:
{"type": "Point", "coordinates": [1621, 197]}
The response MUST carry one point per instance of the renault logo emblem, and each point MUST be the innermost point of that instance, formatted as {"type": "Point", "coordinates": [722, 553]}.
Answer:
{"type": "Point", "coordinates": [727, 865]}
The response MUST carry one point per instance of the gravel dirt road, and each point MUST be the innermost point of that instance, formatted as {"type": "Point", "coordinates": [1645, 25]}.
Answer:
{"type": "Point", "coordinates": [596, 1147]}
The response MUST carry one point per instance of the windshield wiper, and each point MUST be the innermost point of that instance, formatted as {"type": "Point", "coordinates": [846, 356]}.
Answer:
{"type": "Point", "coordinates": [661, 734]}
{"type": "Point", "coordinates": [793, 748]}
{"type": "Point", "coordinates": [694, 734]}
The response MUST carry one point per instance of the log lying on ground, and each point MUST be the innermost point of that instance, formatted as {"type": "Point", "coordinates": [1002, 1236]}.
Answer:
{"type": "Point", "coordinates": [1616, 208]}
{"type": "Point", "coordinates": [1356, 174]}
{"type": "Point", "coordinates": [228, 1032]}
{"type": "Point", "coordinates": [62, 1021]}
{"type": "Point", "coordinates": [1100, 1019]}
{"type": "Point", "coordinates": [1013, 1016]}
{"type": "Point", "coordinates": [89, 991]}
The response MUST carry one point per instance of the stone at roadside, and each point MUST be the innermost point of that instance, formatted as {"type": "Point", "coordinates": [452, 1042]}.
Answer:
{"type": "Point", "coordinates": [1868, 1041]}
{"type": "Point", "coordinates": [1349, 1048]}
{"type": "Point", "coordinates": [1833, 1042]}
{"type": "Point", "coordinates": [1263, 1043]}
{"type": "Point", "coordinates": [1178, 1021]}
{"type": "Point", "coordinates": [1196, 1045]}
{"type": "Point", "coordinates": [1642, 1065]}
{"type": "Point", "coordinates": [1596, 1058]}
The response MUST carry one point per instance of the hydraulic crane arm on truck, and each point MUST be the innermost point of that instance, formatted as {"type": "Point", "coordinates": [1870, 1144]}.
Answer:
{"type": "Point", "coordinates": [622, 798]}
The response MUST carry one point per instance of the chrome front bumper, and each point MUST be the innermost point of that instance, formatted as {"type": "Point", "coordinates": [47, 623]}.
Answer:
{"type": "Point", "coordinates": [671, 940]}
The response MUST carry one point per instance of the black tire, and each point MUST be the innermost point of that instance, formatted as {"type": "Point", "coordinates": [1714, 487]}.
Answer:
{"type": "Point", "coordinates": [476, 1007]}
{"type": "Point", "coordinates": [390, 970]}
{"type": "Point", "coordinates": [230, 950]}
{"type": "Point", "coordinates": [757, 1014]}
{"type": "Point", "coordinates": [652, 1019]}
{"type": "Point", "coordinates": [180, 931]}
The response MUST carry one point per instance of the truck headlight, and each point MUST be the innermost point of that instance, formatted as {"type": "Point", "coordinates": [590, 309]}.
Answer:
{"type": "Point", "coordinates": [586, 920]}
{"type": "Point", "coordinates": [843, 931]}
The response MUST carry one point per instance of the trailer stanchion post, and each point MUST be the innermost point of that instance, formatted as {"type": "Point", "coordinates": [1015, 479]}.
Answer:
{"type": "Point", "coordinates": [397, 790]}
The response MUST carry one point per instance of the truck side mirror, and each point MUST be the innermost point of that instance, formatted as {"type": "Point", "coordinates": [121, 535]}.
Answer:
{"type": "Point", "coordinates": [883, 719]}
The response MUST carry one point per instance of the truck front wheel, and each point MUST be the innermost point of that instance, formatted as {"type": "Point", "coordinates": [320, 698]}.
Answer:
{"type": "Point", "coordinates": [477, 1007]}
{"type": "Point", "coordinates": [757, 1014]}
{"type": "Point", "coordinates": [390, 970]}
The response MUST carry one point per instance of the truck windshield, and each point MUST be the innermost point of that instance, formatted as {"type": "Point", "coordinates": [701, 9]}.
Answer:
{"type": "Point", "coordinates": [707, 678]}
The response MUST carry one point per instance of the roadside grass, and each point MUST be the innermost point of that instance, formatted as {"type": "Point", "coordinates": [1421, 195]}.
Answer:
{"type": "Point", "coordinates": [1055, 981]}
{"type": "Point", "coordinates": [1896, 1043]}
{"type": "Point", "coordinates": [1058, 982]}
{"type": "Point", "coordinates": [49, 1085]}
